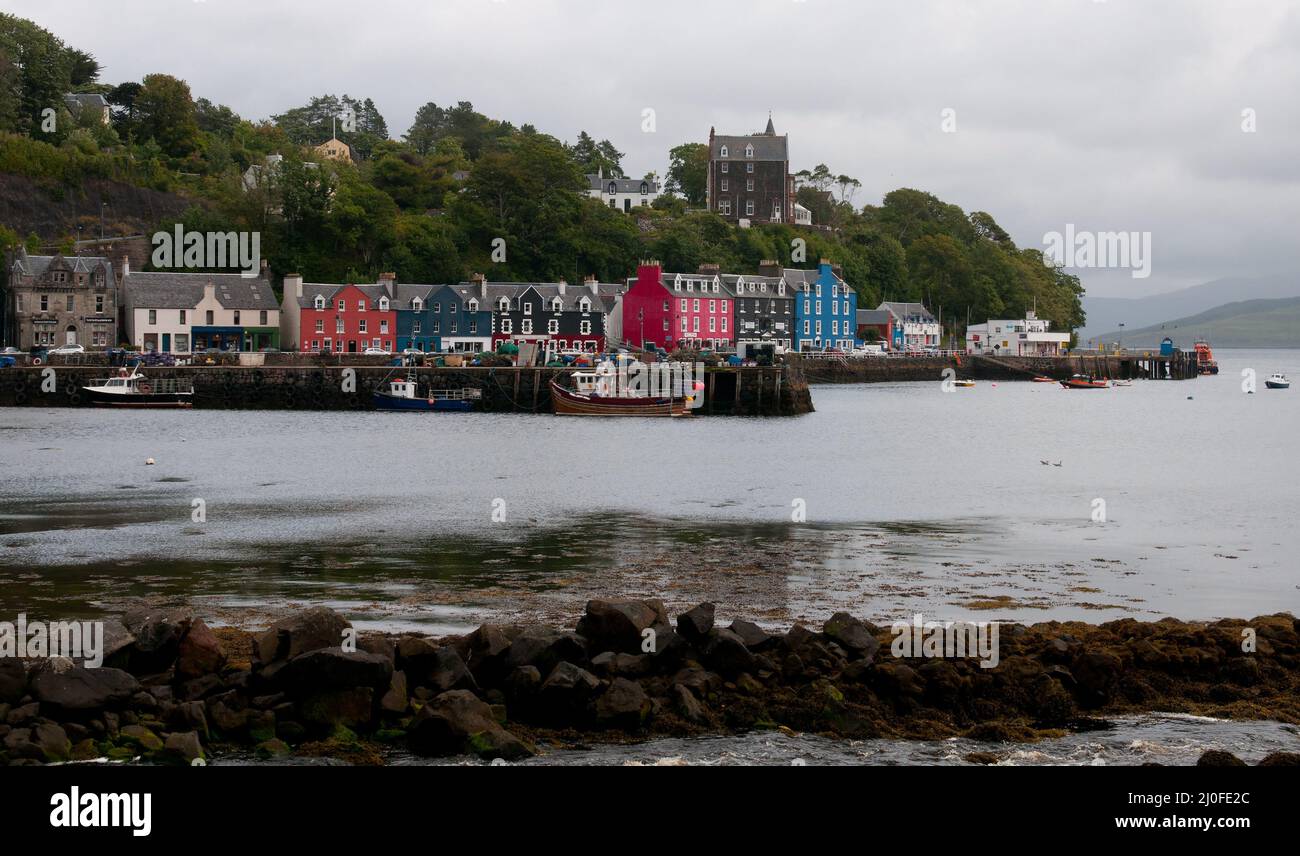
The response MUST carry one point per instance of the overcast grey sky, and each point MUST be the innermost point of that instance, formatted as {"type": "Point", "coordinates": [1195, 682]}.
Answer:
{"type": "Point", "coordinates": [1117, 115]}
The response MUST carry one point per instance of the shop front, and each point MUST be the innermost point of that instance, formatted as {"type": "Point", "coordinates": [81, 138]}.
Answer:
{"type": "Point", "coordinates": [218, 338]}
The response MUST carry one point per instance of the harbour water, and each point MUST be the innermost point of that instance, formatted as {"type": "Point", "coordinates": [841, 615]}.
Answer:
{"type": "Point", "coordinates": [890, 499]}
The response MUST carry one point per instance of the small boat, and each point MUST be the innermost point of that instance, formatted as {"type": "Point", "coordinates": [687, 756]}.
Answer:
{"type": "Point", "coordinates": [405, 394]}
{"type": "Point", "coordinates": [1205, 362]}
{"type": "Point", "coordinates": [963, 383]}
{"type": "Point", "coordinates": [597, 393]}
{"type": "Point", "coordinates": [1277, 380]}
{"type": "Point", "coordinates": [1121, 383]}
{"type": "Point", "coordinates": [132, 389]}
{"type": "Point", "coordinates": [1084, 382]}
{"type": "Point", "coordinates": [1044, 379]}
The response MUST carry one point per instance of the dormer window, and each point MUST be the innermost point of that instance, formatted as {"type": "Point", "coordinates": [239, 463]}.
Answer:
{"type": "Point", "coordinates": [503, 305]}
{"type": "Point", "coordinates": [383, 304]}
{"type": "Point", "coordinates": [584, 304]}
{"type": "Point", "coordinates": [613, 188]}
{"type": "Point", "coordinates": [319, 302]}
{"type": "Point", "coordinates": [557, 305]}
{"type": "Point", "coordinates": [361, 306]}
{"type": "Point", "coordinates": [749, 151]}
{"type": "Point", "coordinates": [724, 152]}
{"type": "Point", "coordinates": [472, 305]}
{"type": "Point", "coordinates": [645, 188]}
{"type": "Point", "coordinates": [417, 304]}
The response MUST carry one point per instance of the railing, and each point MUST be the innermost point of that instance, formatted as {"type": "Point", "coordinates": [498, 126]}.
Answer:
{"type": "Point", "coordinates": [464, 394]}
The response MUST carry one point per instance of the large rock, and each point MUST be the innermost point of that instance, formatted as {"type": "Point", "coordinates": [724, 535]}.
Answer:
{"type": "Point", "coordinates": [200, 652]}
{"type": "Point", "coordinates": [726, 653]}
{"type": "Point", "coordinates": [688, 707]}
{"type": "Point", "coordinates": [565, 694]}
{"type": "Point", "coordinates": [621, 665]}
{"type": "Point", "coordinates": [158, 634]}
{"type": "Point", "coordinates": [620, 625]}
{"type": "Point", "coordinates": [457, 723]}
{"type": "Point", "coordinates": [545, 649]}
{"type": "Point", "coordinates": [624, 704]}
{"type": "Point", "coordinates": [78, 691]}
{"type": "Point", "coordinates": [312, 629]}
{"type": "Point", "coordinates": [695, 623]}
{"type": "Point", "coordinates": [851, 634]}
{"type": "Point", "coordinates": [352, 707]}
{"type": "Point", "coordinates": [1095, 675]}
{"type": "Point", "coordinates": [13, 680]}
{"type": "Point", "coordinates": [754, 637]}
{"type": "Point", "coordinates": [1219, 758]}
{"type": "Point", "coordinates": [52, 740]}
{"type": "Point", "coordinates": [333, 668]}
{"type": "Point", "coordinates": [489, 649]}
{"type": "Point", "coordinates": [183, 747]}
{"type": "Point", "coordinates": [396, 700]}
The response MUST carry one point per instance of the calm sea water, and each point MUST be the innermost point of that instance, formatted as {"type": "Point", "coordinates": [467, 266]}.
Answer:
{"type": "Point", "coordinates": [913, 499]}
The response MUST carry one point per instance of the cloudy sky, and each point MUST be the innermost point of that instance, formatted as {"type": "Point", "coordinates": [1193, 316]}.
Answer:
{"type": "Point", "coordinates": [1123, 115]}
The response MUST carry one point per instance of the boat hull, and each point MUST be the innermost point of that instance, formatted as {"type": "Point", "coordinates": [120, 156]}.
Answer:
{"type": "Point", "coordinates": [1079, 384]}
{"type": "Point", "coordinates": [138, 399]}
{"type": "Point", "coordinates": [383, 401]}
{"type": "Point", "coordinates": [569, 403]}
{"type": "Point", "coordinates": [1273, 384]}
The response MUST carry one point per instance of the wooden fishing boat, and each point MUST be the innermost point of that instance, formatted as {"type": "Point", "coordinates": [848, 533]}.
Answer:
{"type": "Point", "coordinates": [1084, 382]}
{"type": "Point", "coordinates": [597, 393]}
{"type": "Point", "coordinates": [132, 389]}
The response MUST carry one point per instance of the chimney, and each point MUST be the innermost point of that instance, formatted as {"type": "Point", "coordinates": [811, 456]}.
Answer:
{"type": "Point", "coordinates": [293, 285]}
{"type": "Point", "coordinates": [561, 285]}
{"type": "Point", "coordinates": [592, 283]}
{"type": "Point", "coordinates": [769, 267]}
{"type": "Point", "coordinates": [650, 271]}
{"type": "Point", "coordinates": [710, 269]}
{"type": "Point", "coordinates": [388, 280]}
{"type": "Point", "coordinates": [126, 266]}
{"type": "Point", "coordinates": [481, 281]}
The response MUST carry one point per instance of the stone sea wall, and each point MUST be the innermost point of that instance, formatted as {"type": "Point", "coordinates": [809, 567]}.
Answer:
{"type": "Point", "coordinates": [173, 690]}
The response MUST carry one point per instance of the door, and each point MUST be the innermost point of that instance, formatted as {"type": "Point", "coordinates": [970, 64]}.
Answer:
{"type": "Point", "coordinates": [352, 346]}
{"type": "Point", "coordinates": [167, 343]}
{"type": "Point", "coordinates": [70, 337]}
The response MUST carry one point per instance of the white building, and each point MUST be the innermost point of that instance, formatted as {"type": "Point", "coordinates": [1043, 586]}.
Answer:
{"type": "Point", "coordinates": [1030, 336]}
{"type": "Point", "coordinates": [622, 193]}
{"type": "Point", "coordinates": [182, 313]}
{"type": "Point", "coordinates": [802, 216]}
{"type": "Point", "coordinates": [915, 327]}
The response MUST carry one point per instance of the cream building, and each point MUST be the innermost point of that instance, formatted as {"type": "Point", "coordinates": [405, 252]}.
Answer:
{"type": "Point", "coordinates": [183, 313]}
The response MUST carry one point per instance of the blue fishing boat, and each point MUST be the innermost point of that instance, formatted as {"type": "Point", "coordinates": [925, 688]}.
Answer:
{"type": "Point", "coordinates": [406, 394]}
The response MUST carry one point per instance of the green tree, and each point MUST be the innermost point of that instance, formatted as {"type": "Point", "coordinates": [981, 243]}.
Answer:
{"type": "Point", "coordinates": [165, 113]}
{"type": "Point", "coordinates": [688, 172]}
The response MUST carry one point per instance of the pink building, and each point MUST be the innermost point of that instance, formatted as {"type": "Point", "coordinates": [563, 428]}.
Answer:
{"type": "Point", "coordinates": [678, 310]}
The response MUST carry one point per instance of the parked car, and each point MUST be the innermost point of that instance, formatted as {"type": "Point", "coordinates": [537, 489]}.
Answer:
{"type": "Point", "coordinates": [12, 352]}
{"type": "Point", "coordinates": [412, 352]}
{"type": "Point", "coordinates": [68, 349]}
{"type": "Point", "coordinates": [869, 350]}
{"type": "Point", "coordinates": [375, 352]}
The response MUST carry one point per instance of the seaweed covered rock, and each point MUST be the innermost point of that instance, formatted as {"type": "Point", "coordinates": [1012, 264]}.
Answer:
{"type": "Point", "coordinates": [459, 723]}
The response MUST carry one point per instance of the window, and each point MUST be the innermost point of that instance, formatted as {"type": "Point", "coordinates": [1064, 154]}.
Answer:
{"type": "Point", "coordinates": [835, 307]}
{"type": "Point", "coordinates": [683, 304]}
{"type": "Point", "coordinates": [724, 306]}
{"type": "Point", "coordinates": [361, 306]}
{"type": "Point", "coordinates": [183, 313]}
{"type": "Point", "coordinates": [153, 317]}
{"type": "Point", "coordinates": [749, 151]}
{"type": "Point", "coordinates": [557, 305]}
{"type": "Point", "coordinates": [819, 292]}
{"type": "Point", "coordinates": [723, 153]}
{"type": "Point", "coordinates": [45, 303]}
{"type": "Point", "coordinates": [724, 184]}
{"type": "Point", "coordinates": [342, 306]}
{"type": "Point", "coordinates": [453, 325]}
{"type": "Point", "coordinates": [780, 287]}
{"type": "Point", "coordinates": [20, 303]}
{"type": "Point", "coordinates": [819, 328]}
{"type": "Point", "coordinates": [613, 188]}
{"type": "Point", "coordinates": [415, 326]}
{"type": "Point", "coordinates": [835, 328]}
{"type": "Point", "coordinates": [182, 343]}
{"type": "Point", "coordinates": [585, 328]}
{"type": "Point", "coordinates": [552, 326]}
{"type": "Point", "coordinates": [645, 188]}
{"type": "Point", "coordinates": [526, 326]}
{"type": "Point", "coordinates": [320, 325]}
{"type": "Point", "coordinates": [713, 324]}
{"type": "Point", "coordinates": [383, 326]}
{"type": "Point", "coordinates": [724, 168]}
{"type": "Point", "coordinates": [724, 323]}
{"type": "Point", "coordinates": [749, 185]}
{"type": "Point", "coordinates": [417, 304]}
{"type": "Point", "coordinates": [665, 305]}
{"type": "Point", "coordinates": [261, 317]}
{"type": "Point", "coordinates": [451, 307]}
{"type": "Point", "coordinates": [528, 307]}
{"type": "Point", "coordinates": [806, 325]}
{"type": "Point", "coordinates": [846, 307]}
{"type": "Point", "coordinates": [584, 305]}
{"type": "Point", "coordinates": [69, 302]}
{"type": "Point", "coordinates": [749, 207]}
{"type": "Point", "coordinates": [683, 323]}
{"type": "Point", "coordinates": [818, 304]}
{"type": "Point", "coordinates": [319, 303]}
{"type": "Point", "coordinates": [362, 327]}
{"type": "Point", "coordinates": [338, 325]}
{"type": "Point", "coordinates": [473, 326]}
{"type": "Point", "coordinates": [696, 305]}
{"type": "Point", "coordinates": [383, 304]}
{"type": "Point", "coordinates": [725, 206]}
{"type": "Point", "coordinates": [374, 343]}
{"type": "Point", "coordinates": [236, 316]}
{"type": "Point", "coordinates": [506, 325]}
{"type": "Point", "coordinates": [695, 324]}
{"type": "Point", "coordinates": [713, 306]}
{"type": "Point", "coordinates": [471, 305]}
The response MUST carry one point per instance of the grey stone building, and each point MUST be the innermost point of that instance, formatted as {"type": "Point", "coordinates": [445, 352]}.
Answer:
{"type": "Point", "coordinates": [61, 300]}
{"type": "Point", "coordinates": [749, 177]}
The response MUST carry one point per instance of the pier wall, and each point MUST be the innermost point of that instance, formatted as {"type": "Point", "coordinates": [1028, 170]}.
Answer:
{"type": "Point", "coordinates": [748, 391]}
{"type": "Point", "coordinates": [1180, 366]}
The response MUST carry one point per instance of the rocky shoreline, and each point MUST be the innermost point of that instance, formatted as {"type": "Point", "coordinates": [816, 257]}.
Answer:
{"type": "Point", "coordinates": [173, 690]}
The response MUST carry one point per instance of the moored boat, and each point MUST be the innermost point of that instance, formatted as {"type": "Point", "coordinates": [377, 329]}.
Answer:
{"type": "Point", "coordinates": [1084, 382]}
{"type": "Point", "coordinates": [132, 389]}
{"type": "Point", "coordinates": [598, 393]}
{"type": "Point", "coordinates": [1277, 380]}
{"type": "Point", "coordinates": [965, 382]}
{"type": "Point", "coordinates": [406, 394]}
{"type": "Point", "coordinates": [1044, 379]}
{"type": "Point", "coordinates": [1205, 362]}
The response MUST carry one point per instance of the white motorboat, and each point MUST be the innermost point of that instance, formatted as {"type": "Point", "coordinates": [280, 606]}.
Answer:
{"type": "Point", "coordinates": [1277, 380]}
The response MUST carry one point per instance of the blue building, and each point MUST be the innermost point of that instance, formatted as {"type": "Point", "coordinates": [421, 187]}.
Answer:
{"type": "Point", "coordinates": [413, 329]}
{"type": "Point", "coordinates": [825, 308]}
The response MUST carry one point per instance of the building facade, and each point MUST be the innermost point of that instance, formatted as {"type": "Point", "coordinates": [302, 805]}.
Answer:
{"type": "Point", "coordinates": [184, 313]}
{"type": "Point", "coordinates": [458, 318]}
{"type": "Point", "coordinates": [749, 177]}
{"type": "Point", "coordinates": [876, 326]}
{"type": "Point", "coordinates": [61, 300]}
{"type": "Point", "coordinates": [556, 316]}
{"type": "Point", "coordinates": [340, 318]}
{"type": "Point", "coordinates": [1020, 337]}
{"type": "Point", "coordinates": [825, 308]}
{"type": "Point", "coordinates": [622, 193]}
{"type": "Point", "coordinates": [764, 306]}
{"type": "Point", "coordinates": [914, 327]}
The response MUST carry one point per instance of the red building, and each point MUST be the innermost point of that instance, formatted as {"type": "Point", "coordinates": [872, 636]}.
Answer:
{"type": "Point", "coordinates": [347, 318]}
{"type": "Point", "coordinates": [676, 310]}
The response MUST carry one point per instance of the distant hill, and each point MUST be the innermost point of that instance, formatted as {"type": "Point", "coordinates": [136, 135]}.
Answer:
{"type": "Point", "coordinates": [1107, 313]}
{"type": "Point", "coordinates": [1244, 324]}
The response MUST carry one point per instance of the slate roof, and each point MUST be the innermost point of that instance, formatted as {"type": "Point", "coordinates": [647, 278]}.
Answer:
{"type": "Point", "coordinates": [164, 290]}
{"type": "Point", "coordinates": [623, 185]}
{"type": "Point", "coordinates": [35, 266]}
{"type": "Point", "coordinates": [903, 311]}
{"type": "Point", "coordinates": [873, 317]}
{"type": "Point", "coordinates": [733, 281]}
{"type": "Point", "coordinates": [803, 280]}
{"type": "Point", "coordinates": [767, 147]}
